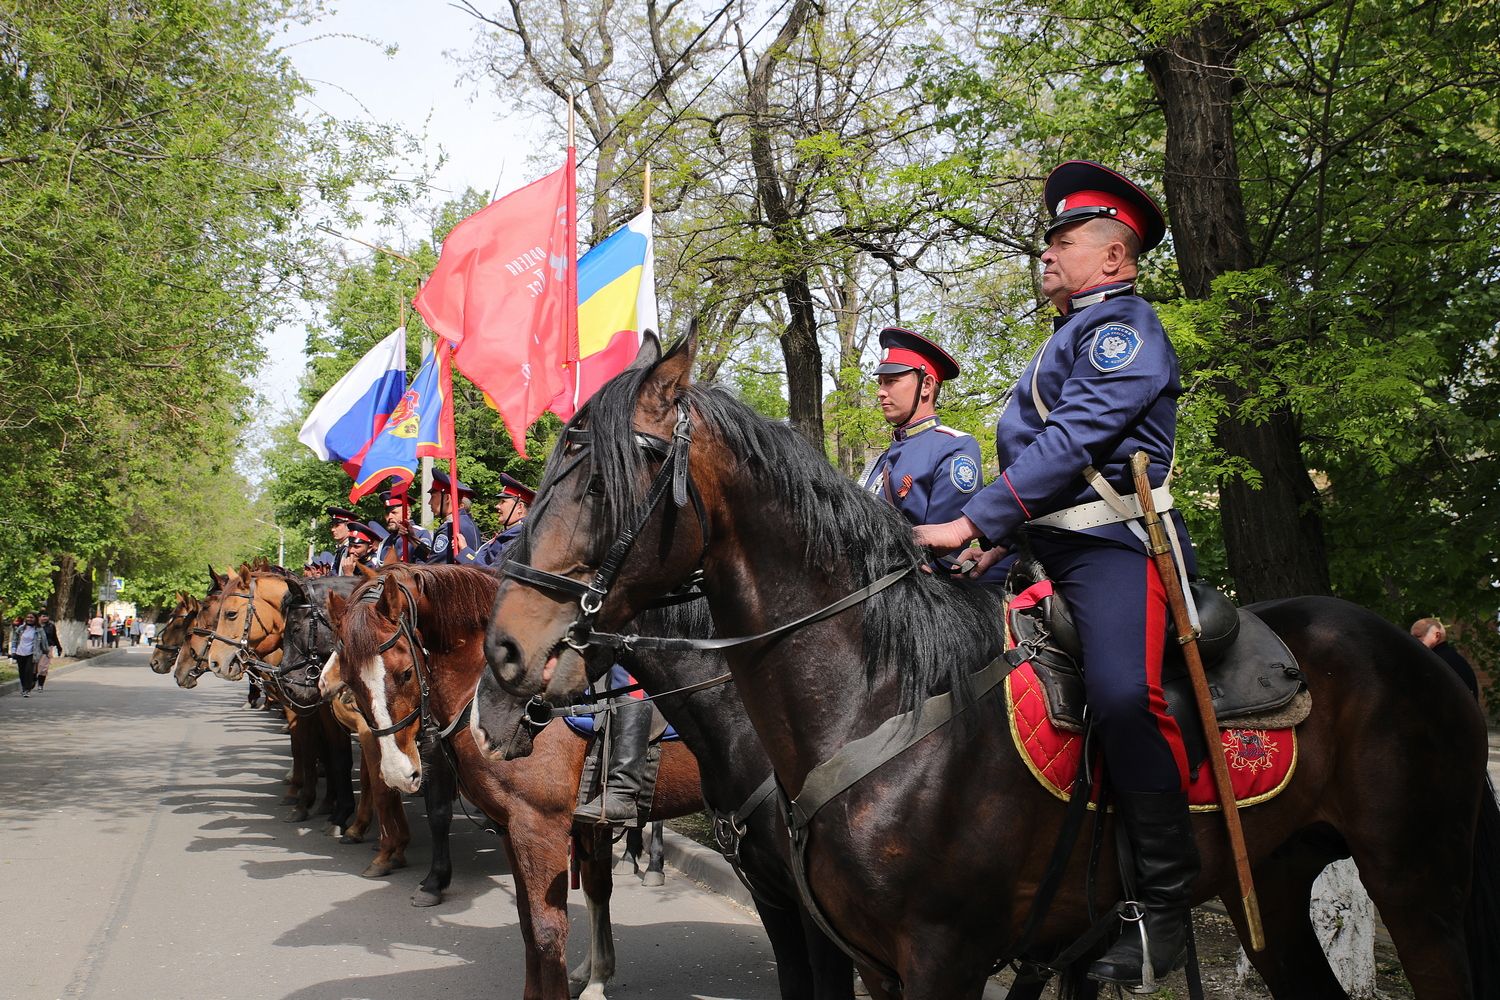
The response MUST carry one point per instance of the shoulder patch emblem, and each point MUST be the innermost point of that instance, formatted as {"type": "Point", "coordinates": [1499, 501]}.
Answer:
{"type": "Point", "coordinates": [964, 472]}
{"type": "Point", "coordinates": [1115, 346]}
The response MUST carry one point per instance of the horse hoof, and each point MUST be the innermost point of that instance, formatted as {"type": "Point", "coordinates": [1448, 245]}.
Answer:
{"type": "Point", "coordinates": [297, 815]}
{"type": "Point", "coordinates": [595, 991]}
{"type": "Point", "coordinates": [626, 867]}
{"type": "Point", "coordinates": [350, 838]}
{"type": "Point", "coordinates": [376, 870]}
{"type": "Point", "coordinates": [334, 830]}
{"type": "Point", "coordinates": [653, 880]}
{"type": "Point", "coordinates": [424, 898]}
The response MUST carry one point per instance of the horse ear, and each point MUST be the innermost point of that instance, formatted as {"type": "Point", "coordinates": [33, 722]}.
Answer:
{"type": "Point", "coordinates": [295, 589]}
{"type": "Point", "coordinates": [673, 374]}
{"type": "Point", "coordinates": [245, 572]}
{"type": "Point", "coordinates": [650, 352]}
{"type": "Point", "coordinates": [368, 572]}
{"type": "Point", "coordinates": [336, 608]}
{"type": "Point", "coordinates": [218, 581]}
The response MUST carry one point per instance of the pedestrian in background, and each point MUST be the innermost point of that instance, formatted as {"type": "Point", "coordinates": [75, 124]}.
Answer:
{"type": "Point", "coordinates": [1431, 633]}
{"type": "Point", "coordinates": [96, 630]}
{"type": "Point", "coordinates": [135, 631]}
{"type": "Point", "coordinates": [48, 643]}
{"type": "Point", "coordinates": [24, 643]}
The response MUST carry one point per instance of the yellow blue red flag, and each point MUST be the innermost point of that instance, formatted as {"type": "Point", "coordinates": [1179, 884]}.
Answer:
{"type": "Point", "coordinates": [616, 303]}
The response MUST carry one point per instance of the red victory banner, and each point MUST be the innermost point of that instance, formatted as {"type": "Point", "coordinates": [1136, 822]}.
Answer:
{"type": "Point", "coordinates": [504, 295]}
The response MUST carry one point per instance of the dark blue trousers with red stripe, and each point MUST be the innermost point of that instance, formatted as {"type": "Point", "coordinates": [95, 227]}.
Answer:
{"type": "Point", "coordinates": [1117, 601]}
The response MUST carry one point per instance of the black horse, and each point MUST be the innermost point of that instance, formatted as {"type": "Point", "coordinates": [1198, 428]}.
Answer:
{"type": "Point", "coordinates": [928, 865]}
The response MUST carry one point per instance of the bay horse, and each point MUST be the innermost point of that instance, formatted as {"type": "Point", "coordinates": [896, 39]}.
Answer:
{"type": "Point", "coordinates": [308, 640]}
{"type": "Point", "coordinates": [927, 867]}
{"type": "Point", "coordinates": [175, 633]}
{"type": "Point", "coordinates": [413, 650]}
{"type": "Point", "coordinates": [241, 627]}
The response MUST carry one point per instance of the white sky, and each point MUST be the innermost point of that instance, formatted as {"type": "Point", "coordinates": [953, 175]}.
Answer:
{"type": "Point", "coordinates": [417, 87]}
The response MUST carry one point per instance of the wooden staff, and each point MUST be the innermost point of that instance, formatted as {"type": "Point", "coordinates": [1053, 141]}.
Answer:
{"type": "Point", "coordinates": [1161, 552]}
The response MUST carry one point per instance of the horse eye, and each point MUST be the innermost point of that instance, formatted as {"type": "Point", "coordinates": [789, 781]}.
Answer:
{"type": "Point", "coordinates": [231, 615]}
{"type": "Point", "coordinates": [596, 486]}
{"type": "Point", "coordinates": [404, 677]}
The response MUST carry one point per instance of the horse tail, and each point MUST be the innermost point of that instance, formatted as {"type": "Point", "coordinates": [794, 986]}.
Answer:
{"type": "Point", "coordinates": [1482, 919]}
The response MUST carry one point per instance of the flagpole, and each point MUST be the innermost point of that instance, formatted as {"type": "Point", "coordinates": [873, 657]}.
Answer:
{"type": "Point", "coordinates": [570, 314]}
{"type": "Point", "coordinates": [646, 188]}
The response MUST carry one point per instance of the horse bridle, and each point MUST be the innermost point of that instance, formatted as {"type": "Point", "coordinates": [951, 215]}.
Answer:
{"type": "Point", "coordinates": [172, 651]}
{"type": "Point", "coordinates": [311, 661]}
{"type": "Point", "coordinates": [580, 634]}
{"type": "Point", "coordinates": [674, 473]}
{"type": "Point", "coordinates": [242, 648]}
{"type": "Point", "coordinates": [405, 629]}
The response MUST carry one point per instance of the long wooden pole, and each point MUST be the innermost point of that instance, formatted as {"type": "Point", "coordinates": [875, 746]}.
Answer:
{"type": "Point", "coordinates": [1161, 551]}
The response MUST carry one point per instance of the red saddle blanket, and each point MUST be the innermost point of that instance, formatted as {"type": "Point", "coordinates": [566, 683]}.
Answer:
{"type": "Point", "coordinates": [1261, 761]}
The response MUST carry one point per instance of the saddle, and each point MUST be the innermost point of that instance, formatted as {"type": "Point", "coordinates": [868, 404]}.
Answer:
{"type": "Point", "coordinates": [1253, 678]}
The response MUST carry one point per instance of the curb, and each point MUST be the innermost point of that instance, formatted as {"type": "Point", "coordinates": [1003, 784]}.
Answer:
{"type": "Point", "coordinates": [705, 866]}
{"type": "Point", "coordinates": [12, 686]}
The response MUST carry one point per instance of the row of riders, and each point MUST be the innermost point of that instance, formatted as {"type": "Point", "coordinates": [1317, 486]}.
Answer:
{"type": "Point", "coordinates": [853, 619]}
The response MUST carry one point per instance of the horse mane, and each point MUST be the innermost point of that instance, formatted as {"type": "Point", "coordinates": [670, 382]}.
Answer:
{"type": "Point", "coordinates": [930, 630]}
{"type": "Point", "coordinates": [463, 595]}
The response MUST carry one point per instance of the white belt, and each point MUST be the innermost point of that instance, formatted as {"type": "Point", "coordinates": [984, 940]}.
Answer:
{"type": "Point", "coordinates": [1100, 512]}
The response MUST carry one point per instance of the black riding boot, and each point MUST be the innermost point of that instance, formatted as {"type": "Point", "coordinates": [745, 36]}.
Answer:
{"type": "Point", "coordinates": [1166, 862]}
{"type": "Point", "coordinates": [630, 730]}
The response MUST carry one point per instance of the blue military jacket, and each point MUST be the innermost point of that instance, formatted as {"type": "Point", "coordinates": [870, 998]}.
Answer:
{"type": "Point", "coordinates": [441, 538]}
{"type": "Point", "coordinates": [492, 552]}
{"type": "Point", "coordinates": [928, 473]}
{"type": "Point", "coordinates": [1109, 379]}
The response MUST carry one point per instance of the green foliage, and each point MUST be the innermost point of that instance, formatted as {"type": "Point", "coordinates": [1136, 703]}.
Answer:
{"type": "Point", "coordinates": [156, 179]}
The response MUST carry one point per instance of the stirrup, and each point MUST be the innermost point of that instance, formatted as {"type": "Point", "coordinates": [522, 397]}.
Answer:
{"type": "Point", "coordinates": [1133, 912]}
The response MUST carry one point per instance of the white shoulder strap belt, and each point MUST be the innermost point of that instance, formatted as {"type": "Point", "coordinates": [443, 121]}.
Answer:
{"type": "Point", "coordinates": [1112, 508]}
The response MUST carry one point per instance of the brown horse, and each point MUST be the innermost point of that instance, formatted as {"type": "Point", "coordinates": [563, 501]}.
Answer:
{"type": "Point", "coordinates": [175, 633]}
{"type": "Point", "coordinates": [413, 649]}
{"type": "Point", "coordinates": [927, 867]}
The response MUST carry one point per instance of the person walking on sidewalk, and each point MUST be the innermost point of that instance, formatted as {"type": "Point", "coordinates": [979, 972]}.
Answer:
{"type": "Point", "coordinates": [48, 643]}
{"type": "Point", "coordinates": [96, 630]}
{"type": "Point", "coordinates": [24, 642]}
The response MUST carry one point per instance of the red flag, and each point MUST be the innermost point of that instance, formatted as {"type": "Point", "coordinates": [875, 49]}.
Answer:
{"type": "Point", "coordinates": [503, 293]}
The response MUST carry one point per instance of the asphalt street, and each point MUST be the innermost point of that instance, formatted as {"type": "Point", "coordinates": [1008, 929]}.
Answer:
{"type": "Point", "coordinates": [143, 855]}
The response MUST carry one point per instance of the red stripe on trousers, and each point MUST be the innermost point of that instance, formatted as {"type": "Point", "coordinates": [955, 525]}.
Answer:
{"type": "Point", "coordinates": [1156, 639]}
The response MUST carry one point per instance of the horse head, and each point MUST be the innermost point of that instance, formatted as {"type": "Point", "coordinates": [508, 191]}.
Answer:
{"type": "Point", "coordinates": [248, 625]}
{"type": "Point", "coordinates": [621, 518]}
{"type": "Point", "coordinates": [379, 661]}
{"type": "Point", "coordinates": [174, 634]}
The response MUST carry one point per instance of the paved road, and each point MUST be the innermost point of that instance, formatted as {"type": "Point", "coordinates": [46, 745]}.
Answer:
{"type": "Point", "coordinates": [142, 855]}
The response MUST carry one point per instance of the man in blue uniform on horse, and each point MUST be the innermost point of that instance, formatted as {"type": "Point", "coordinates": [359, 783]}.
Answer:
{"type": "Point", "coordinates": [929, 471]}
{"type": "Point", "coordinates": [1103, 386]}
{"type": "Point", "coordinates": [515, 499]}
{"type": "Point", "coordinates": [437, 546]}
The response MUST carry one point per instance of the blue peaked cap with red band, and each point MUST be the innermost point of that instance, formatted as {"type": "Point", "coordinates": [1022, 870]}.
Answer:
{"type": "Point", "coordinates": [904, 351]}
{"type": "Point", "coordinates": [1081, 189]}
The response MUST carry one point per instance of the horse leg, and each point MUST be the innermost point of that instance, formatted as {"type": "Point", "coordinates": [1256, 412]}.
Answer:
{"type": "Point", "coordinates": [656, 871]}
{"type": "Point", "coordinates": [598, 967]}
{"type": "Point", "coordinates": [630, 857]}
{"type": "Point", "coordinates": [1293, 964]}
{"type": "Point", "coordinates": [304, 762]}
{"type": "Point", "coordinates": [341, 772]}
{"type": "Point", "coordinates": [365, 809]}
{"type": "Point", "coordinates": [394, 833]}
{"type": "Point", "coordinates": [438, 789]}
{"type": "Point", "coordinates": [539, 861]}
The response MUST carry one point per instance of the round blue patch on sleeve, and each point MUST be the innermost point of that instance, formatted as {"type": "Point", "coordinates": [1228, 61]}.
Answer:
{"type": "Point", "coordinates": [1115, 346]}
{"type": "Point", "coordinates": [964, 472]}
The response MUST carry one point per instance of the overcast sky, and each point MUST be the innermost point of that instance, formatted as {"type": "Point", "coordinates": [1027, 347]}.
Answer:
{"type": "Point", "coordinates": [417, 87]}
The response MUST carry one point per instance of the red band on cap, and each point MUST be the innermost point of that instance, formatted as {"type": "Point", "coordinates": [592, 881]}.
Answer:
{"type": "Point", "coordinates": [1124, 211]}
{"type": "Point", "coordinates": [902, 356]}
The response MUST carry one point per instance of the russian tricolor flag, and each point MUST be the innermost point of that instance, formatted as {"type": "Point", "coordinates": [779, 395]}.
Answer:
{"type": "Point", "coordinates": [616, 303]}
{"type": "Point", "coordinates": [343, 423]}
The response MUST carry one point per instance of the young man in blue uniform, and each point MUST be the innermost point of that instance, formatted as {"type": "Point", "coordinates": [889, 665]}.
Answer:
{"type": "Point", "coordinates": [515, 500]}
{"type": "Point", "coordinates": [929, 471]}
{"type": "Point", "coordinates": [389, 551]}
{"type": "Point", "coordinates": [1102, 387]}
{"type": "Point", "coordinates": [437, 547]}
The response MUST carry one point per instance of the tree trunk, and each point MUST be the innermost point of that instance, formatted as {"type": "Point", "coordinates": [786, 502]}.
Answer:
{"type": "Point", "coordinates": [799, 342]}
{"type": "Point", "coordinates": [1273, 535]}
